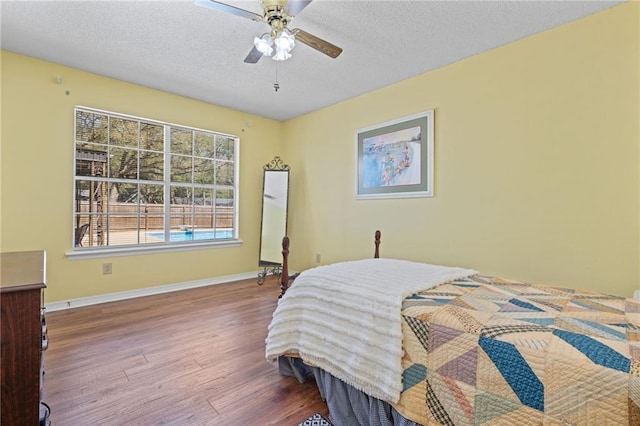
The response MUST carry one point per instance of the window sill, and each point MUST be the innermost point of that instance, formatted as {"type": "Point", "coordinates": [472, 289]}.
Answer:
{"type": "Point", "coordinates": [94, 253]}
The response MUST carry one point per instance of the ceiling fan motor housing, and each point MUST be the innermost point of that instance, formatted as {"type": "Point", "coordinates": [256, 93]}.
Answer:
{"type": "Point", "coordinates": [275, 15]}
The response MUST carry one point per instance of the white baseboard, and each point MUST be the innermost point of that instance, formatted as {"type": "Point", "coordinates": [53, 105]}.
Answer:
{"type": "Point", "coordinates": [122, 295]}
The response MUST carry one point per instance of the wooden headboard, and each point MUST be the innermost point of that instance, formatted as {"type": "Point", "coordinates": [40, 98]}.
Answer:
{"type": "Point", "coordinates": [285, 278]}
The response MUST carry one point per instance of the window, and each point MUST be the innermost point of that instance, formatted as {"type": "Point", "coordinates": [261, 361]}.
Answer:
{"type": "Point", "coordinates": [143, 183]}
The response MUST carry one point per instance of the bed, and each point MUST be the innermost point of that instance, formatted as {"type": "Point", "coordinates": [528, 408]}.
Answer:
{"type": "Point", "coordinates": [392, 342]}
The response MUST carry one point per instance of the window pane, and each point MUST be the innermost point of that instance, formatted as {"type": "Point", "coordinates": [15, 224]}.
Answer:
{"type": "Point", "coordinates": [202, 171]}
{"type": "Point", "coordinates": [82, 196]}
{"type": "Point", "coordinates": [181, 207]}
{"type": "Point", "coordinates": [180, 168]}
{"type": "Point", "coordinates": [153, 219]}
{"type": "Point", "coordinates": [151, 137]}
{"type": "Point", "coordinates": [224, 208]}
{"type": "Point", "coordinates": [181, 195]}
{"type": "Point", "coordinates": [204, 210]}
{"type": "Point", "coordinates": [224, 173]}
{"type": "Point", "coordinates": [204, 197]}
{"type": "Point", "coordinates": [123, 163]}
{"type": "Point", "coordinates": [81, 213]}
{"type": "Point", "coordinates": [91, 159]}
{"type": "Point", "coordinates": [82, 234]}
{"type": "Point", "coordinates": [123, 132]}
{"type": "Point", "coordinates": [91, 127]}
{"type": "Point", "coordinates": [151, 211]}
{"type": "Point", "coordinates": [151, 165]}
{"type": "Point", "coordinates": [204, 144]}
{"type": "Point", "coordinates": [151, 195]}
{"type": "Point", "coordinates": [181, 141]}
{"type": "Point", "coordinates": [89, 209]}
{"type": "Point", "coordinates": [123, 214]}
{"type": "Point", "coordinates": [123, 193]}
{"type": "Point", "coordinates": [225, 148]}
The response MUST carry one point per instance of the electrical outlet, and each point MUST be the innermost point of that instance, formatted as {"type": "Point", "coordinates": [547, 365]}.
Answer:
{"type": "Point", "coordinates": [318, 257]}
{"type": "Point", "coordinates": [107, 268]}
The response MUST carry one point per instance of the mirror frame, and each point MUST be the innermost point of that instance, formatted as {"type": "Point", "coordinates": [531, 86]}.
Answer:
{"type": "Point", "coordinates": [275, 165]}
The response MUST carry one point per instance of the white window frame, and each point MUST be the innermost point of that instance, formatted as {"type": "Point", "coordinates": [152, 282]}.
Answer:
{"type": "Point", "coordinates": [129, 249]}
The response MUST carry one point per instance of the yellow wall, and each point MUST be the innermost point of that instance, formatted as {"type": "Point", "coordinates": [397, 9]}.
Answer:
{"type": "Point", "coordinates": [536, 163]}
{"type": "Point", "coordinates": [37, 176]}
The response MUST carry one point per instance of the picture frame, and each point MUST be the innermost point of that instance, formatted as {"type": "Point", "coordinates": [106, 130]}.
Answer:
{"type": "Point", "coordinates": [395, 159]}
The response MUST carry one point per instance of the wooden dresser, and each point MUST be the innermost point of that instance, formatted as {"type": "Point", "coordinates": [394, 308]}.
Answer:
{"type": "Point", "coordinates": [22, 278]}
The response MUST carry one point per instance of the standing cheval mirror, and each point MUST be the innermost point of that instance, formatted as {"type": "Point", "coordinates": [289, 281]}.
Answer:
{"type": "Point", "coordinates": [273, 225]}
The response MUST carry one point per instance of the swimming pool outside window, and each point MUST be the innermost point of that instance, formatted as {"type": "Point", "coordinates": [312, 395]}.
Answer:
{"type": "Point", "coordinates": [145, 183]}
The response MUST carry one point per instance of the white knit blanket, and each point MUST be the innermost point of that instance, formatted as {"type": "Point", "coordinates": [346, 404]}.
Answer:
{"type": "Point", "coordinates": [346, 319]}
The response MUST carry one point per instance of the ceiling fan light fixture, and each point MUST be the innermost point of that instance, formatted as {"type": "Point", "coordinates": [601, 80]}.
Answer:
{"type": "Point", "coordinates": [285, 42]}
{"type": "Point", "coordinates": [281, 55]}
{"type": "Point", "coordinates": [263, 44]}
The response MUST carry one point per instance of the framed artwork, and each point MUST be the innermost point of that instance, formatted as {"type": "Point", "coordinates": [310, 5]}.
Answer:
{"type": "Point", "coordinates": [395, 159]}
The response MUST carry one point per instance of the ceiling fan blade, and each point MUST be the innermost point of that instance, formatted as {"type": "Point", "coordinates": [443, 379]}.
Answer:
{"type": "Point", "coordinates": [317, 43]}
{"type": "Point", "coordinates": [253, 56]}
{"type": "Point", "coordinates": [295, 6]}
{"type": "Point", "coordinates": [227, 8]}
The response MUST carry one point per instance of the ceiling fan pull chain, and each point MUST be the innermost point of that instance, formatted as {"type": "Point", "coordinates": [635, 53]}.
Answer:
{"type": "Point", "coordinates": [276, 85]}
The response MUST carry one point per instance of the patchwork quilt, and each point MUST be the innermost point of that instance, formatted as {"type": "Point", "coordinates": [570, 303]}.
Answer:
{"type": "Point", "coordinates": [485, 350]}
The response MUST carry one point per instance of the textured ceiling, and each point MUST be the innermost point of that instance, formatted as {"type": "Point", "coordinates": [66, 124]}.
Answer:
{"type": "Point", "coordinates": [198, 52]}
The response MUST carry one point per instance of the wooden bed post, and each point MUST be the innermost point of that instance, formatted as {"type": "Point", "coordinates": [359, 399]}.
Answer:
{"type": "Point", "coordinates": [284, 275]}
{"type": "Point", "coordinates": [376, 255]}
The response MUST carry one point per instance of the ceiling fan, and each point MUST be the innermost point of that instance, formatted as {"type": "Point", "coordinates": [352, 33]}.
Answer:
{"type": "Point", "coordinates": [279, 42]}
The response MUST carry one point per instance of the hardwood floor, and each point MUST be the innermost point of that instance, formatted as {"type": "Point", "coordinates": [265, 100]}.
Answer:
{"type": "Point", "coordinates": [193, 357]}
